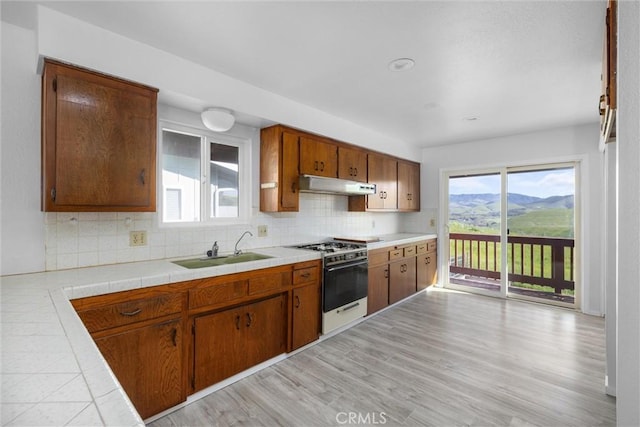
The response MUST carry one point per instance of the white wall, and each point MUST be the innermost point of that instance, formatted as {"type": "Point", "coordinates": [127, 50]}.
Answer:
{"type": "Point", "coordinates": [564, 144]}
{"type": "Point", "coordinates": [628, 145]}
{"type": "Point", "coordinates": [21, 220]}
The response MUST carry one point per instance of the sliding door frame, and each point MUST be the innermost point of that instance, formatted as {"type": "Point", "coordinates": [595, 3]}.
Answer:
{"type": "Point", "coordinates": [502, 170]}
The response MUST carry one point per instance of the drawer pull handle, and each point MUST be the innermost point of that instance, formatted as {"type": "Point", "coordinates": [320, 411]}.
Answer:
{"type": "Point", "coordinates": [297, 301]}
{"type": "Point", "coordinates": [305, 275]}
{"type": "Point", "coordinates": [238, 322]}
{"type": "Point", "coordinates": [174, 336]}
{"type": "Point", "coordinates": [131, 313]}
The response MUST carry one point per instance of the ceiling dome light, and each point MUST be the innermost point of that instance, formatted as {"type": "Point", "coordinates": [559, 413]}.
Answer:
{"type": "Point", "coordinates": [401, 64]}
{"type": "Point", "coordinates": [218, 119]}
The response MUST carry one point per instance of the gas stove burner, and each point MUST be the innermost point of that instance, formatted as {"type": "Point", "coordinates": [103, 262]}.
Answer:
{"type": "Point", "coordinates": [330, 247]}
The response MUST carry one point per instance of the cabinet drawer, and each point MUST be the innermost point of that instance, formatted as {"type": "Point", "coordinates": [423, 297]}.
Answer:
{"type": "Point", "coordinates": [218, 293]}
{"type": "Point", "coordinates": [378, 256]}
{"type": "Point", "coordinates": [268, 282]}
{"type": "Point", "coordinates": [124, 313]}
{"type": "Point", "coordinates": [421, 248]}
{"type": "Point", "coordinates": [395, 254]}
{"type": "Point", "coordinates": [305, 275]}
{"type": "Point", "coordinates": [409, 251]}
{"type": "Point", "coordinates": [432, 245]}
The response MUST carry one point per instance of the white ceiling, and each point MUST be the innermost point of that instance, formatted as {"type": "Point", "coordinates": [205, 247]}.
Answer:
{"type": "Point", "coordinates": [516, 66]}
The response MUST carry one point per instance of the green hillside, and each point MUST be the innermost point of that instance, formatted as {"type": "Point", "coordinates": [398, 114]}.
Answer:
{"type": "Point", "coordinates": [546, 223]}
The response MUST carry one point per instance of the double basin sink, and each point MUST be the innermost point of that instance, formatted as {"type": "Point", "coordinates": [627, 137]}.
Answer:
{"type": "Point", "coordinates": [220, 260]}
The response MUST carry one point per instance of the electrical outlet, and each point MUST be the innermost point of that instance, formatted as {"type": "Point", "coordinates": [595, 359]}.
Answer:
{"type": "Point", "coordinates": [262, 231]}
{"type": "Point", "coordinates": [137, 238]}
{"type": "Point", "coordinates": [432, 222]}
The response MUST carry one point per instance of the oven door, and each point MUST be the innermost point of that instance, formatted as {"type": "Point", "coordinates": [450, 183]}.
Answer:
{"type": "Point", "coordinates": [344, 283]}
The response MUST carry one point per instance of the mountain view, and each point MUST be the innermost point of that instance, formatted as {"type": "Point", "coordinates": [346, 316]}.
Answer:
{"type": "Point", "coordinates": [528, 215]}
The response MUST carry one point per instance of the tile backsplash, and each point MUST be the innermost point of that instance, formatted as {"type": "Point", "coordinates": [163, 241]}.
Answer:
{"type": "Point", "coordinates": [87, 239]}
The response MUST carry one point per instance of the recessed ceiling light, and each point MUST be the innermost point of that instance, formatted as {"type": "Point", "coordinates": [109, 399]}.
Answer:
{"type": "Point", "coordinates": [401, 64]}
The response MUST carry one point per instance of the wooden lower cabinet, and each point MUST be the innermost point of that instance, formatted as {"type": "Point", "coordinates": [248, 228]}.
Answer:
{"type": "Point", "coordinates": [148, 363]}
{"type": "Point", "coordinates": [402, 279]}
{"type": "Point", "coordinates": [378, 292]}
{"type": "Point", "coordinates": [232, 340]}
{"type": "Point", "coordinates": [427, 270]}
{"type": "Point", "coordinates": [427, 264]}
{"type": "Point", "coordinates": [306, 315]}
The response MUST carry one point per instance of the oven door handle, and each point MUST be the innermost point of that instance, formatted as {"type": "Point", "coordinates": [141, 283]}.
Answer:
{"type": "Point", "coordinates": [343, 266]}
{"type": "Point", "coordinates": [349, 307]}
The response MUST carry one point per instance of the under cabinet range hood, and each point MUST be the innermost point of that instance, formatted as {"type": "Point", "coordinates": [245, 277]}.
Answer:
{"type": "Point", "coordinates": [319, 184]}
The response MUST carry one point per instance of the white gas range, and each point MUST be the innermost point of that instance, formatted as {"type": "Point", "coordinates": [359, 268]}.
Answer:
{"type": "Point", "coordinates": [344, 282]}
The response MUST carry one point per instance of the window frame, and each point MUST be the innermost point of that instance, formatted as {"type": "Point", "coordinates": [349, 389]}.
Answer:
{"type": "Point", "coordinates": [207, 137]}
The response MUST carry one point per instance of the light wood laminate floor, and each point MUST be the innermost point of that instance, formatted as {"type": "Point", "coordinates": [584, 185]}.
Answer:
{"type": "Point", "coordinates": [439, 359]}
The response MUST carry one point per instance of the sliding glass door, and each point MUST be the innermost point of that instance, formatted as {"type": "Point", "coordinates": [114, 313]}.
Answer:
{"type": "Point", "coordinates": [541, 229]}
{"type": "Point", "coordinates": [511, 232]}
{"type": "Point", "coordinates": [475, 218]}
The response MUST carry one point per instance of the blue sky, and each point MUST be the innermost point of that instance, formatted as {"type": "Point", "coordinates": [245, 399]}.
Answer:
{"type": "Point", "coordinates": [556, 182]}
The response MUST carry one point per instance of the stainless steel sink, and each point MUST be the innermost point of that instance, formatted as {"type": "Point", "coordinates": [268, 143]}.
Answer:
{"type": "Point", "coordinates": [220, 260]}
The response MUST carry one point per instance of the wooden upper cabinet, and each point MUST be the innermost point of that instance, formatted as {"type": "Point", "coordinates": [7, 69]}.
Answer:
{"type": "Point", "coordinates": [279, 156]}
{"type": "Point", "coordinates": [408, 186]}
{"type": "Point", "coordinates": [318, 157]}
{"type": "Point", "coordinates": [383, 172]}
{"type": "Point", "coordinates": [610, 57]}
{"type": "Point", "coordinates": [352, 164]}
{"type": "Point", "coordinates": [98, 142]}
{"type": "Point", "coordinates": [608, 97]}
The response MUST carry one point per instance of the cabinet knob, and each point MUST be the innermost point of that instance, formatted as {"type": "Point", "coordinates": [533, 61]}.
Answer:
{"type": "Point", "coordinates": [238, 322]}
{"type": "Point", "coordinates": [249, 319]}
{"type": "Point", "coordinates": [174, 337]}
{"type": "Point", "coordinates": [297, 301]}
{"type": "Point", "coordinates": [142, 176]}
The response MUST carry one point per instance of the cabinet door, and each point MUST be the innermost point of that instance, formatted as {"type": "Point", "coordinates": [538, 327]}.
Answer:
{"type": "Point", "coordinates": [425, 270]}
{"type": "Point", "coordinates": [148, 364]}
{"type": "Point", "coordinates": [402, 279]}
{"type": "Point", "coordinates": [318, 158]}
{"type": "Point", "coordinates": [306, 315]}
{"type": "Point", "coordinates": [289, 195]}
{"type": "Point", "coordinates": [382, 171]}
{"type": "Point", "coordinates": [352, 164]}
{"type": "Point", "coordinates": [266, 329]}
{"type": "Point", "coordinates": [432, 268]}
{"type": "Point", "coordinates": [219, 347]}
{"type": "Point", "coordinates": [408, 186]}
{"type": "Point", "coordinates": [99, 142]}
{"type": "Point", "coordinates": [279, 154]}
{"type": "Point", "coordinates": [378, 293]}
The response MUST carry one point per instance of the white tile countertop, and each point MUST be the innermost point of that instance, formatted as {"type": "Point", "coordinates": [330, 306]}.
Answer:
{"type": "Point", "coordinates": [52, 372]}
{"type": "Point", "coordinates": [398, 239]}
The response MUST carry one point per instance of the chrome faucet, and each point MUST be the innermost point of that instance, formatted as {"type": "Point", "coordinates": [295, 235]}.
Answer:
{"type": "Point", "coordinates": [237, 251]}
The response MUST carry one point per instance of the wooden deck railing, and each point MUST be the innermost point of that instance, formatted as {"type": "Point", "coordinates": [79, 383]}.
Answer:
{"type": "Point", "coordinates": [544, 261]}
